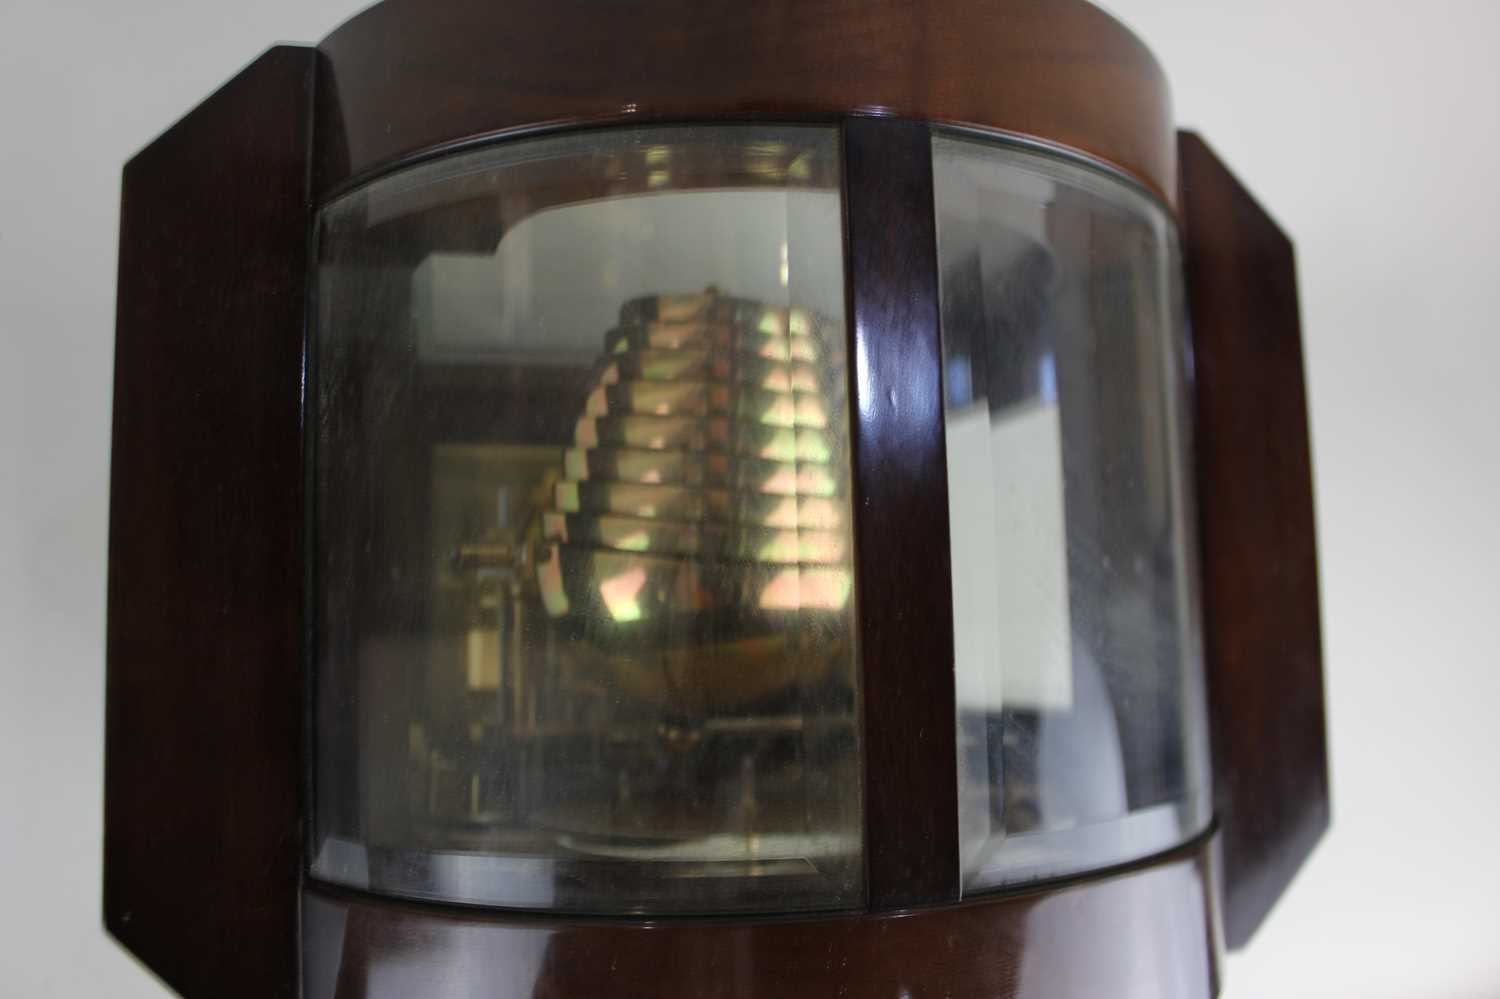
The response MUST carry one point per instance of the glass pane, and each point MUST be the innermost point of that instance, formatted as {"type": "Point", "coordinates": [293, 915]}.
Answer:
{"type": "Point", "coordinates": [583, 590]}
{"type": "Point", "coordinates": [1080, 708]}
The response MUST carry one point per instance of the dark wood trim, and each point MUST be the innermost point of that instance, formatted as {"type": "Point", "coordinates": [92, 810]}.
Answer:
{"type": "Point", "coordinates": [203, 723]}
{"type": "Point", "coordinates": [1263, 647]}
{"type": "Point", "coordinates": [901, 516]}
{"type": "Point", "coordinates": [1068, 941]}
{"type": "Point", "coordinates": [404, 77]}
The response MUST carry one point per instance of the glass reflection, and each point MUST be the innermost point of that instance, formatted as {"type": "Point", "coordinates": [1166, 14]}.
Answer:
{"type": "Point", "coordinates": [583, 601]}
{"type": "Point", "coordinates": [1078, 668]}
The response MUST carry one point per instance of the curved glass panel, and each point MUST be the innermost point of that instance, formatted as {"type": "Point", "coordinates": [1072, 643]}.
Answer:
{"type": "Point", "coordinates": [1082, 739]}
{"type": "Point", "coordinates": [582, 583]}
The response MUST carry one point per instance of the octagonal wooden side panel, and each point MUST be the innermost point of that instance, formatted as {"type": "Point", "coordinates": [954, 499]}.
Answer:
{"type": "Point", "coordinates": [202, 850]}
{"type": "Point", "coordinates": [1263, 644]}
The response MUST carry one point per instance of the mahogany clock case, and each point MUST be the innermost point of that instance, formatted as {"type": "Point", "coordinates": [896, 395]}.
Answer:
{"type": "Point", "coordinates": [207, 715]}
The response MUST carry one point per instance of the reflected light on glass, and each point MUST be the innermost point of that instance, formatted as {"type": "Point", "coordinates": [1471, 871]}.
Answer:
{"type": "Point", "coordinates": [620, 592]}
{"type": "Point", "coordinates": [809, 589]}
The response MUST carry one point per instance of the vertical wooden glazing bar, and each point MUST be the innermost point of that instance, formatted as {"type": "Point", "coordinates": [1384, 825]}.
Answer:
{"type": "Point", "coordinates": [901, 516]}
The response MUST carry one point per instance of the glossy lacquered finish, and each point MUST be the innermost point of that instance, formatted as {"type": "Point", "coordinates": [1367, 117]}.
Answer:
{"type": "Point", "coordinates": [1145, 934]}
{"type": "Point", "coordinates": [405, 76]}
{"type": "Point", "coordinates": [901, 517]}
{"type": "Point", "coordinates": [1263, 644]}
{"type": "Point", "coordinates": [203, 729]}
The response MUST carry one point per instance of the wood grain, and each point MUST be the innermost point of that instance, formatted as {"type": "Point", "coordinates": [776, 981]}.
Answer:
{"type": "Point", "coordinates": [406, 76]}
{"type": "Point", "coordinates": [203, 727]}
{"type": "Point", "coordinates": [1263, 643]}
{"type": "Point", "coordinates": [1136, 935]}
{"type": "Point", "coordinates": [905, 580]}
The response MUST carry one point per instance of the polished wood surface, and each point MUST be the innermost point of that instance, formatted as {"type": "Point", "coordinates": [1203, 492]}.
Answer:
{"type": "Point", "coordinates": [901, 517]}
{"type": "Point", "coordinates": [203, 728]}
{"type": "Point", "coordinates": [1145, 934]}
{"type": "Point", "coordinates": [409, 75]}
{"type": "Point", "coordinates": [1260, 572]}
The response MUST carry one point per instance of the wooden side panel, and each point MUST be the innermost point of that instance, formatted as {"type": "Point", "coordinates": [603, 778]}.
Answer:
{"type": "Point", "coordinates": [1260, 571]}
{"type": "Point", "coordinates": [202, 846]}
{"type": "Point", "coordinates": [901, 517]}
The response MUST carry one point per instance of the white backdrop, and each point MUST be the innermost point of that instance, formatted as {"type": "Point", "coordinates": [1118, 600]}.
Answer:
{"type": "Point", "coordinates": [1370, 130]}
